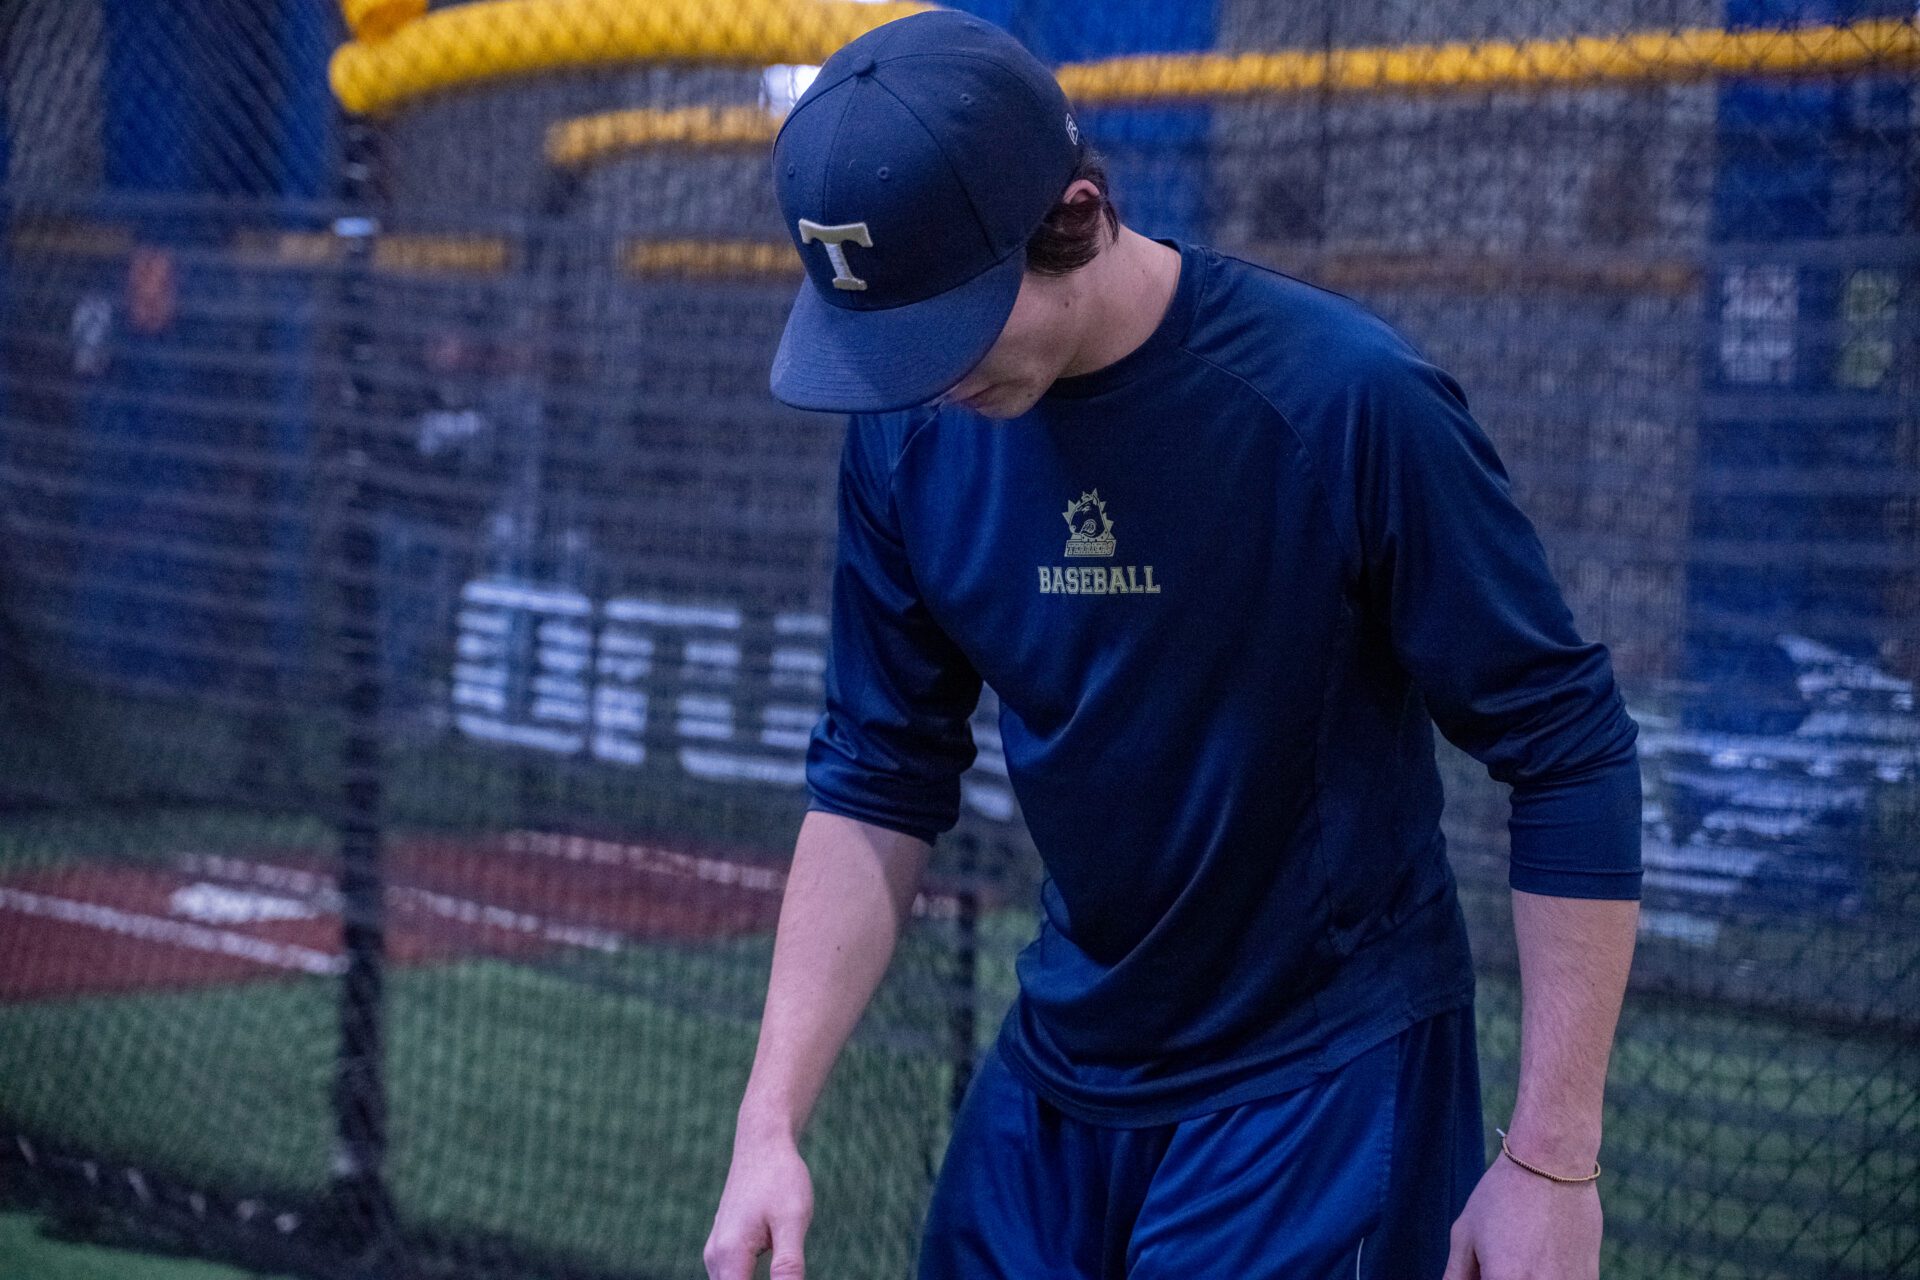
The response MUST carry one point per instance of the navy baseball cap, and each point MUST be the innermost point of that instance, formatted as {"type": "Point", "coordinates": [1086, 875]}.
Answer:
{"type": "Point", "coordinates": [911, 174]}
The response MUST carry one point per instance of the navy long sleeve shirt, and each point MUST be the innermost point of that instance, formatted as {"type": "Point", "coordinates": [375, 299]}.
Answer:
{"type": "Point", "coordinates": [1225, 587]}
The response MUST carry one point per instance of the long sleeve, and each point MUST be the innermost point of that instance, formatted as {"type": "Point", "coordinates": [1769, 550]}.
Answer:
{"type": "Point", "coordinates": [894, 737]}
{"type": "Point", "coordinates": [1478, 622]}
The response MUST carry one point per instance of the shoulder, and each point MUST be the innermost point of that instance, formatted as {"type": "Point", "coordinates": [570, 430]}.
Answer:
{"type": "Point", "coordinates": [1289, 336]}
{"type": "Point", "coordinates": [1322, 360]}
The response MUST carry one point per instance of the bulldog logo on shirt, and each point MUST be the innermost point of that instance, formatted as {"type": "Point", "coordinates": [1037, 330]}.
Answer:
{"type": "Point", "coordinates": [1091, 530]}
{"type": "Point", "coordinates": [1090, 533]}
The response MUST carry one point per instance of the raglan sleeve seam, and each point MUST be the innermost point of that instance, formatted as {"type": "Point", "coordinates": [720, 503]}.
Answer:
{"type": "Point", "coordinates": [1459, 575]}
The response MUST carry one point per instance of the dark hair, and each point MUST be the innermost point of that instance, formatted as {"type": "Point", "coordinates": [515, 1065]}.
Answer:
{"type": "Point", "coordinates": [1071, 235]}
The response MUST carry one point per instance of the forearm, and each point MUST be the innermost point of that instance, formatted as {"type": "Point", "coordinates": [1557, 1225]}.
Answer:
{"type": "Point", "coordinates": [1574, 958]}
{"type": "Point", "coordinates": [848, 895]}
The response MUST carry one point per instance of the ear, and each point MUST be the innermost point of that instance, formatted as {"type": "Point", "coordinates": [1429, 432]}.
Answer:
{"type": "Point", "coordinates": [1080, 190]}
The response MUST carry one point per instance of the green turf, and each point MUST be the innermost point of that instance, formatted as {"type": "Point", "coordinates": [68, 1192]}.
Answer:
{"type": "Point", "coordinates": [1796, 1148]}
{"type": "Point", "coordinates": [585, 1109]}
{"type": "Point", "coordinates": [30, 1255]}
{"type": "Point", "coordinates": [589, 1122]}
{"type": "Point", "coordinates": [91, 838]}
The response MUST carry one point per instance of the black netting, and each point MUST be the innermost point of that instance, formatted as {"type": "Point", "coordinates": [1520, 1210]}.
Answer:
{"type": "Point", "coordinates": [412, 604]}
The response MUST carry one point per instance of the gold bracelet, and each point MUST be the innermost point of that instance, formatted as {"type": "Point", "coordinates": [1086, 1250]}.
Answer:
{"type": "Point", "coordinates": [1508, 1152]}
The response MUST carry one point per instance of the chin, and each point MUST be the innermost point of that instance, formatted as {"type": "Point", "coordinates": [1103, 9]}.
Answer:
{"type": "Point", "coordinates": [1004, 408]}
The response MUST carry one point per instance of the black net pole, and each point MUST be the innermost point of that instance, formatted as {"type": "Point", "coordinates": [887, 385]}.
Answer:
{"type": "Point", "coordinates": [966, 962]}
{"type": "Point", "coordinates": [539, 531]}
{"type": "Point", "coordinates": [363, 1212]}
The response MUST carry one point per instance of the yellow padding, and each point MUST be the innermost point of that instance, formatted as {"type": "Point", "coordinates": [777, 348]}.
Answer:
{"type": "Point", "coordinates": [378, 19]}
{"type": "Point", "coordinates": [1645, 55]}
{"type": "Point", "coordinates": [491, 39]}
{"type": "Point", "coordinates": [573, 143]}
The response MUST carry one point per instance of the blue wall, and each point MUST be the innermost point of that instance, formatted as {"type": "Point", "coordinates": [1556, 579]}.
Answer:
{"type": "Point", "coordinates": [1797, 167]}
{"type": "Point", "coordinates": [1156, 155]}
{"type": "Point", "coordinates": [216, 113]}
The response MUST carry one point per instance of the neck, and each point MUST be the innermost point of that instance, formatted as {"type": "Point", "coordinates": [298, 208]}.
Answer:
{"type": "Point", "coordinates": [1127, 290]}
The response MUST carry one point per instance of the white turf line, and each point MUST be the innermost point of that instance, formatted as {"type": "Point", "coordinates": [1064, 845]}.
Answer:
{"type": "Point", "coordinates": [279, 955]}
{"type": "Point", "coordinates": [646, 857]}
{"type": "Point", "coordinates": [321, 892]}
{"type": "Point", "coordinates": [179, 933]}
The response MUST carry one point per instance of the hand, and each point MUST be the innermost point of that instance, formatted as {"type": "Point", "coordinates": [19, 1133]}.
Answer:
{"type": "Point", "coordinates": [1521, 1226]}
{"type": "Point", "coordinates": [767, 1204]}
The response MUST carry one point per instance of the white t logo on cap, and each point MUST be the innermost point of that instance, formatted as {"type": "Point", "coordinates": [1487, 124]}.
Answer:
{"type": "Point", "coordinates": [834, 237]}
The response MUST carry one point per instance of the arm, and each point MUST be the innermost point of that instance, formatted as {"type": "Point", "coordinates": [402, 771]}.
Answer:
{"type": "Point", "coordinates": [1478, 621]}
{"type": "Point", "coordinates": [847, 899]}
{"type": "Point", "coordinates": [883, 772]}
{"type": "Point", "coordinates": [1574, 957]}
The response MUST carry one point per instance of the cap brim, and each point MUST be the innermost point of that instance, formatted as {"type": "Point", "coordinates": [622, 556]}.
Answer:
{"type": "Point", "coordinates": [844, 361]}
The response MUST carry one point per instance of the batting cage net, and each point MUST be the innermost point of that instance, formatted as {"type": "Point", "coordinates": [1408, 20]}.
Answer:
{"type": "Point", "coordinates": [413, 604]}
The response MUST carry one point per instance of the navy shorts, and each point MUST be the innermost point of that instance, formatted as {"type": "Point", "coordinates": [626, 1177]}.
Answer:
{"type": "Point", "coordinates": [1359, 1173]}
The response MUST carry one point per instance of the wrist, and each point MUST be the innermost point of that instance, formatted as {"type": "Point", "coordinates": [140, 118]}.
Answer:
{"type": "Point", "coordinates": [1569, 1150]}
{"type": "Point", "coordinates": [764, 1122]}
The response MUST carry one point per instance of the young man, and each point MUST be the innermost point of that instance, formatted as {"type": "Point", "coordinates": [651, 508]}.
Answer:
{"type": "Point", "coordinates": [1227, 548]}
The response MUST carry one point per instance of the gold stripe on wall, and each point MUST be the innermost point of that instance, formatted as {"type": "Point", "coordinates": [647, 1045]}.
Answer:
{"type": "Point", "coordinates": [710, 258]}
